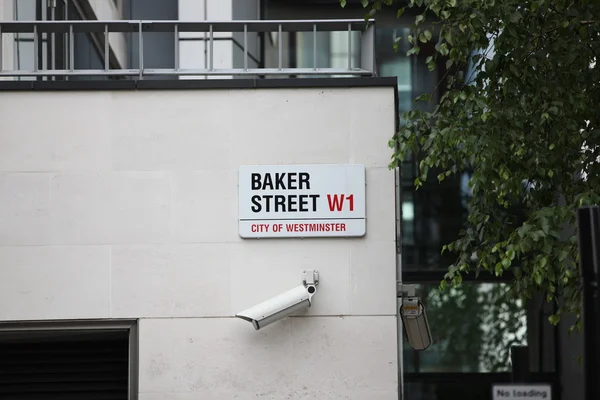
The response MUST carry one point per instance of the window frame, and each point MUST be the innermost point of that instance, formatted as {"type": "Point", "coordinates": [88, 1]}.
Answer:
{"type": "Point", "coordinates": [130, 325]}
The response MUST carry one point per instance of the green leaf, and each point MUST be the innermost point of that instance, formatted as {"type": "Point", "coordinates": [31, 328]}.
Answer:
{"type": "Point", "coordinates": [343, 3]}
{"type": "Point", "coordinates": [365, 3]}
{"type": "Point", "coordinates": [400, 12]}
{"type": "Point", "coordinates": [554, 319]}
{"type": "Point", "coordinates": [413, 50]}
{"type": "Point", "coordinates": [515, 17]}
{"type": "Point", "coordinates": [444, 49]}
{"type": "Point", "coordinates": [510, 254]}
{"type": "Point", "coordinates": [420, 18]}
{"type": "Point", "coordinates": [514, 70]}
{"type": "Point", "coordinates": [498, 269]}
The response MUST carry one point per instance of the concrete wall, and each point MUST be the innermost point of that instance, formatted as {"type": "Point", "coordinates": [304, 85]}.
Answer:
{"type": "Point", "coordinates": [124, 204]}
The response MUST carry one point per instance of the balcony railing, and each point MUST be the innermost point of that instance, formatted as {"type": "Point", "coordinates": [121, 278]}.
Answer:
{"type": "Point", "coordinates": [102, 29]}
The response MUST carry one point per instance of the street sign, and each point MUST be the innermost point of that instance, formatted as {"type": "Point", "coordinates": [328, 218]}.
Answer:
{"type": "Point", "coordinates": [521, 391]}
{"type": "Point", "coordinates": [326, 200]}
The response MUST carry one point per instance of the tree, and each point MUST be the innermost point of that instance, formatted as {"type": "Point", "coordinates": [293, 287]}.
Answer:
{"type": "Point", "coordinates": [521, 112]}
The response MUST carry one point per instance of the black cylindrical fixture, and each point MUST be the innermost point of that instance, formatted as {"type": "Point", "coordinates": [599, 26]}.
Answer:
{"type": "Point", "coordinates": [519, 356]}
{"type": "Point", "coordinates": [588, 221]}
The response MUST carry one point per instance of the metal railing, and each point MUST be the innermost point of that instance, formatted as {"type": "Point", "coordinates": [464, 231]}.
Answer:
{"type": "Point", "coordinates": [138, 28]}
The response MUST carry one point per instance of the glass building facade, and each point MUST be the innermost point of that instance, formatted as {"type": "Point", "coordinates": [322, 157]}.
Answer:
{"type": "Point", "coordinates": [473, 326]}
{"type": "Point", "coordinates": [464, 321]}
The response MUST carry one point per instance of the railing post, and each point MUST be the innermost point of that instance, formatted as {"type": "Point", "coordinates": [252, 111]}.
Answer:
{"type": "Point", "coordinates": [35, 48]}
{"type": "Point", "coordinates": [245, 47]}
{"type": "Point", "coordinates": [349, 46]}
{"type": "Point", "coordinates": [141, 51]}
{"type": "Point", "coordinates": [210, 48]}
{"type": "Point", "coordinates": [106, 48]}
{"type": "Point", "coordinates": [176, 47]}
{"type": "Point", "coordinates": [280, 47]}
{"type": "Point", "coordinates": [315, 47]}
{"type": "Point", "coordinates": [52, 5]}
{"type": "Point", "coordinates": [71, 48]}
{"type": "Point", "coordinates": [1, 50]}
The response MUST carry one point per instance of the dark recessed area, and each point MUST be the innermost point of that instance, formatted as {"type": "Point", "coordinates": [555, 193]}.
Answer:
{"type": "Point", "coordinates": [51, 365]}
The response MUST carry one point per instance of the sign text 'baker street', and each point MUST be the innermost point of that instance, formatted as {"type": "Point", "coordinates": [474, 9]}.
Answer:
{"type": "Point", "coordinates": [302, 201]}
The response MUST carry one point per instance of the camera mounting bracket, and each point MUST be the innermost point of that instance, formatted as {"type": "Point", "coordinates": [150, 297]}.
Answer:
{"type": "Point", "coordinates": [310, 277]}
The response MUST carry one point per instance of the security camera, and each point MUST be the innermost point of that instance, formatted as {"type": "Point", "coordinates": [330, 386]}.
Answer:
{"type": "Point", "coordinates": [414, 320]}
{"type": "Point", "coordinates": [283, 305]}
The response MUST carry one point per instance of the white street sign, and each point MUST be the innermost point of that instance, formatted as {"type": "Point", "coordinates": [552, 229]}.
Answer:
{"type": "Point", "coordinates": [521, 392]}
{"type": "Point", "coordinates": [277, 201]}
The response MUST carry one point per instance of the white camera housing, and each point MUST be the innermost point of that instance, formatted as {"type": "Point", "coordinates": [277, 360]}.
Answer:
{"type": "Point", "coordinates": [283, 305]}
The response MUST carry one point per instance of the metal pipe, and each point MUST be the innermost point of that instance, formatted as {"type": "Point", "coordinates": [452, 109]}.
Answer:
{"type": "Point", "coordinates": [210, 49]}
{"type": "Point", "coordinates": [39, 16]}
{"type": "Point", "coordinates": [66, 37]}
{"type": "Point", "coordinates": [204, 33]}
{"type": "Point", "coordinates": [176, 32]}
{"type": "Point", "coordinates": [106, 48]}
{"type": "Point", "coordinates": [279, 45]}
{"type": "Point", "coordinates": [141, 50]}
{"type": "Point", "coordinates": [35, 48]}
{"type": "Point", "coordinates": [315, 46]}
{"type": "Point", "coordinates": [1, 50]}
{"type": "Point", "coordinates": [349, 46]}
{"type": "Point", "coordinates": [52, 36]}
{"type": "Point", "coordinates": [71, 48]}
{"type": "Point", "coordinates": [245, 47]}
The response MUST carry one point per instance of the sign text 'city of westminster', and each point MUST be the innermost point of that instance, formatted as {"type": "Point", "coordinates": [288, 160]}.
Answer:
{"type": "Point", "coordinates": [277, 201]}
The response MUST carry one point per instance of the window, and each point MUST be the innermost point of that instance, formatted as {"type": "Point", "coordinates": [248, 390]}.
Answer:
{"type": "Point", "coordinates": [331, 52]}
{"type": "Point", "coordinates": [24, 49]}
{"type": "Point", "coordinates": [78, 360]}
{"type": "Point", "coordinates": [473, 328]}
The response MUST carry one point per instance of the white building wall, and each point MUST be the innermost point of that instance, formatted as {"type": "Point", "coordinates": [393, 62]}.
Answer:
{"type": "Point", "coordinates": [124, 204]}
